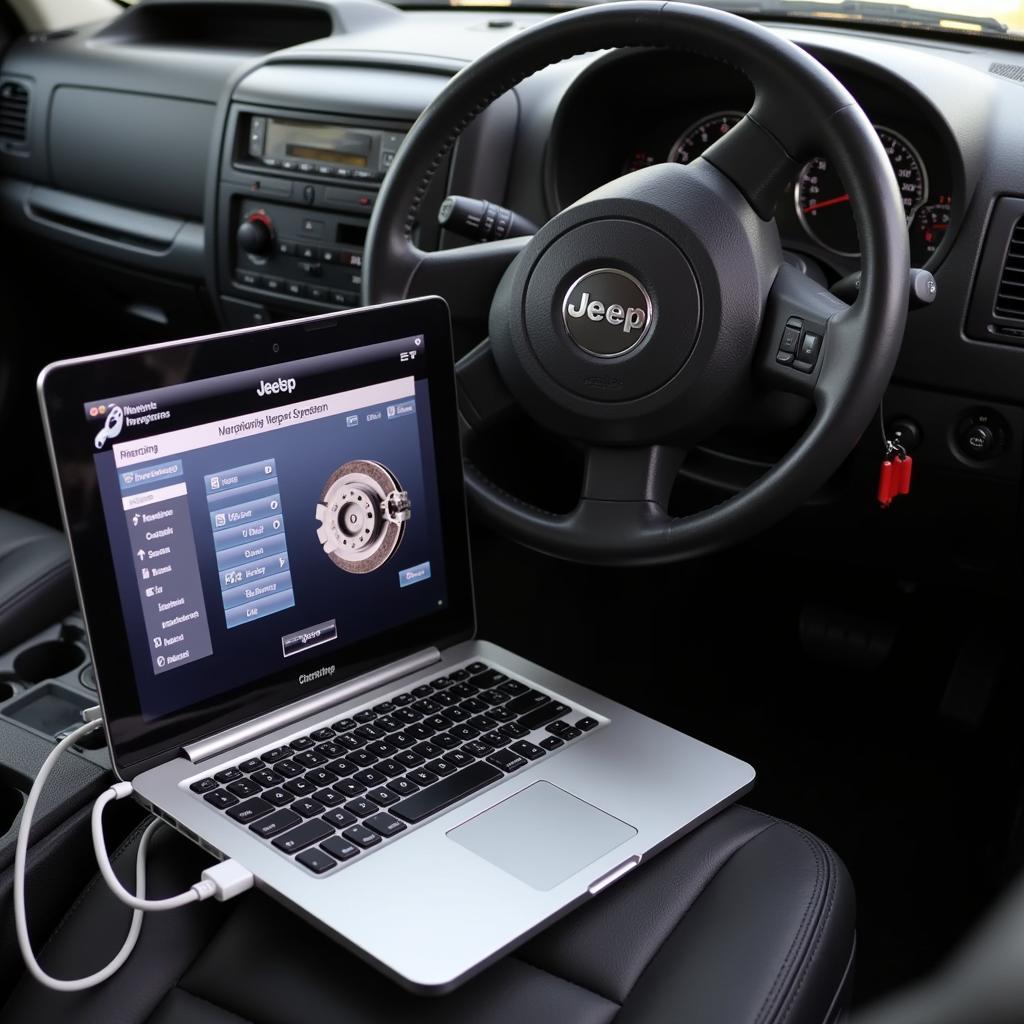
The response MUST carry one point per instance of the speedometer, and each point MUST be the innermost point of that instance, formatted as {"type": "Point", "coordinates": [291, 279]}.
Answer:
{"type": "Point", "coordinates": [702, 135]}
{"type": "Point", "coordinates": [823, 204]}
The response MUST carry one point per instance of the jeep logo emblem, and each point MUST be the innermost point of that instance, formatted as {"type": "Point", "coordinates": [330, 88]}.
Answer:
{"type": "Point", "coordinates": [607, 312]}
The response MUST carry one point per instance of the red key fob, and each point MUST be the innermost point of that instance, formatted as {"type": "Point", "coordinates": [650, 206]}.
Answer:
{"type": "Point", "coordinates": [904, 469]}
{"type": "Point", "coordinates": [886, 481]}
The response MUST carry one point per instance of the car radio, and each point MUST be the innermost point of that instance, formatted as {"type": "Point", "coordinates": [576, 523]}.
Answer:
{"type": "Point", "coordinates": [318, 149]}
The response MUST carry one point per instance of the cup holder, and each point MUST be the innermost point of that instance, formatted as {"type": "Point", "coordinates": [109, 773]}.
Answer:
{"type": "Point", "coordinates": [48, 660]}
{"type": "Point", "coordinates": [10, 686]}
{"type": "Point", "coordinates": [11, 800]}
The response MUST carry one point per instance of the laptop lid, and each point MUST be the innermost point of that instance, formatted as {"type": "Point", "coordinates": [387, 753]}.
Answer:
{"type": "Point", "coordinates": [260, 515]}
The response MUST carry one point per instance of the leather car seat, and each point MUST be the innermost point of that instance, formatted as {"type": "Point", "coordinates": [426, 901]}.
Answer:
{"type": "Point", "coordinates": [36, 585]}
{"type": "Point", "coordinates": [747, 920]}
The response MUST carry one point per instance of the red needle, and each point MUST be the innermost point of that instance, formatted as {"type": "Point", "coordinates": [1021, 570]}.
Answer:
{"type": "Point", "coordinates": [827, 202]}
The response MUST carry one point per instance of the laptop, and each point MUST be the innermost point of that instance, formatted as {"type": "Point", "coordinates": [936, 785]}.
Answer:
{"type": "Point", "coordinates": [270, 542]}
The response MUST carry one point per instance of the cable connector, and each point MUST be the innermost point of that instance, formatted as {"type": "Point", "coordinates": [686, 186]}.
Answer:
{"type": "Point", "coordinates": [228, 878]}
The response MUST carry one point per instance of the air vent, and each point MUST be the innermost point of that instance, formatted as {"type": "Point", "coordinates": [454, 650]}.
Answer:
{"type": "Point", "coordinates": [13, 113]}
{"type": "Point", "coordinates": [1009, 304]}
{"type": "Point", "coordinates": [1015, 72]}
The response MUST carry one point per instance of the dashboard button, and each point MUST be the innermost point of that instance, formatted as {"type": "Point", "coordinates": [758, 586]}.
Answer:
{"type": "Point", "coordinates": [295, 289]}
{"type": "Point", "coordinates": [790, 339]}
{"type": "Point", "coordinates": [317, 293]}
{"type": "Point", "coordinates": [809, 348]}
{"type": "Point", "coordinates": [341, 298]}
{"type": "Point", "coordinates": [273, 284]}
{"type": "Point", "coordinates": [311, 268]}
{"type": "Point", "coordinates": [286, 248]}
{"type": "Point", "coordinates": [785, 358]}
{"type": "Point", "coordinates": [329, 255]}
{"type": "Point", "coordinates": [247, 278]}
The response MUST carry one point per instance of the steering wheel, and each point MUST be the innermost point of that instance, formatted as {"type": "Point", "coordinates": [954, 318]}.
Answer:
{"type": "Point", "coordinates": [640, 319]}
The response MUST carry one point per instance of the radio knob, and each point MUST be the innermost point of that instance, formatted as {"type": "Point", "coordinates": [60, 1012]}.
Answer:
{"type": "Point", "coordinates": [255, 234]}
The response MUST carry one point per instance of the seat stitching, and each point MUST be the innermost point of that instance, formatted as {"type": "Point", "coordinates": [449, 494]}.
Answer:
{"type": "Point", "coordinates": [118, 853]}
{"type": "Point", "coordinates": [826, 917]}
{"type": "Point", "coordinates": [771, 999]}
{"type": "Point", "coordinates": [772, 823]}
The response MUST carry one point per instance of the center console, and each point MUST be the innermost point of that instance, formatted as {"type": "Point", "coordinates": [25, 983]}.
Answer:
{"type": "Point", "coordinates": [295, 197]}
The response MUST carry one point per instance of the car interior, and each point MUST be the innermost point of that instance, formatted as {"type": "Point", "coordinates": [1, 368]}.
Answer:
{"type": "Point", "coordinates": [737, 303]}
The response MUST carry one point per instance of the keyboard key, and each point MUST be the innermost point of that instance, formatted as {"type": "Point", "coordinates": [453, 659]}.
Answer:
{"type": "Point", "coordinates": [403, 787]}
{"type": "Point", "coordinates": [514, 688]}
{"type": "Point", "coordinates": [339, 817]}
{"type": "Point", "coordinates": [360, 807]}
{"type": "Point", "coordinates": [384, 825]}
{"type": "Point", "coordinates": [361, 758]}
{"type": "Point", "coordinates": [361, 836]}
{"type": "Point", "coordinates": [206, 785]}
{"type": "Point", "coordinates": [366, 715]}
{"type": "Point", "coordinates": [277, 796]}
{"type": "Point", "coordinates": [289, 769]}
{"type": "Point", "coordinates": [300, 787]}
{"type": "Point", "coordinates": [514, 730]}
{"type": "Point", "coordinates": [328, 797]}
{"type": "Point", "coordinates": [341, 767]}
{"type": "Point", "coordinates": [423, 691]}
{"type": "Point", "coordinates": [458, 758]}
{"type": "Point", "coordinates": [307, 807]}
{"type": "Point", "coordinates": [330, 750]}
{"type": "Point", "coordinates": [494, 698]}
{"type": "Point", "coordinates": [388, 723]}
{"type": "Point", "coordinates": [349, 788]}
{"type": "Point", "coordinates": [316, 860]}
{"type": "Point", "coordinates": [384, 708]}
{"type": "Point", "coordinates": [400, 740]}
{"type": "Point", "coordinates": [344, 725]}
{"type": "Point", "coordinates": [350, 741]}
{"type": "Point", "coordinates": [464, 690]}
{"type": "Point", "coordinates": [440, 767]}
{"type": "Point", "coordinates": [407, 716]}
{"type": "Point", "coordinates": [243, 787]}
{"type": "Point", "coordinates": [586, 724]}
{"type": "Point", "coordinates": [250, 810]}
{"type": "Point", "coordinates": [221, 799]}
{"type": "Point", "coordinates": [464, 732]}
{"type": "Point", "coordinates": [277, 754]}
{"type": "Point", "coordinates": [548, 712]}
{"type": "Point", "coordinates": [381, 748]}
{"type": "Point", "coordinates": [494, 738]}
{"type": "Point", "coordinates": [381, 796]}
{"type": "Point", "coordinates": [481, 723]}
{"type": "Point", "coordinates": [474, 706]}
{"type": "Point", "coordinates": [446, 741]}
{"type": "Point", "coordinates": [441, 683]}
{"type": "Point", "coordinates": [402, 699]}
{"type": "Point", "coordinates": [310, 759]}
{"type": "Point", "coordinates": [370, 732]}
{"type": "Point", "coordinates": [277, 822]}
{"type": "Point", "coordinates": [428, 750]}
{"type": "Point", "coordinates": [459, 675]}
{"type": "Point", "coordinates": [266, 778]}
{"type": "Point", "coordinates": [507, 761]}
{"type": "Point", "coordinates": [437, 723]}
{"type": "Point", "coordinates": [568, 732]}
{"type": "Point", "coordinates": [306, 834]}
{"type": "Point", "coordinates": [429, 801]}
{"type": "Point", "coordinates": [409, 758]}
{"type": "Point", "coordinates": [524, 748]}
{"type": "Point", "coordinates": [478, 749]}
{"type": "Point", "coordinates": [321, 735]}
{"type": "Point", "coordinates": [254, 764]}
{"type": "Point", "coordinates": [422, 777]}
{"type": "Point", "coordinates": [500, 714]}
{"type": "Point", "coordinates": [419, 731]}
{"type": "Point", "coordinates": [551, 743]}
{"type": "Point", "coordinates": [528, 701]}
{"type": "Point", "coordinates": [492, 677]}
{"type": "Point", "coordinates": [445, 699]}
{"type": "Point", "coordinates": [302, 743]}
{"type": "Point", "coordinates": [339, 848]}
{"type": "Point", "coordinates": [228, 775]}
{"type": "Point", "coordinates": [475, 666]}
{"type": "Point", "coordinates": [370, 777]}
{"type": "Point", "coordinates": [426, 707]}
{"type": "Point", "coordinates": [321, 777]}
{"type": "Point", "coordinates": [390, 768]}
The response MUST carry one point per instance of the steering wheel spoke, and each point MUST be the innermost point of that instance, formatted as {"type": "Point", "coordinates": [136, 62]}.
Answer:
{"type": "Point", "coordinates": [466, 276]}
{"type": "Point", "coordinates": [484, 398]}
{"type": "Point", "coordinates": [800, 335]}
{"type": "Point", "coordinates": [631, 475]}
{"type": "Point", "coordinates": [754, 160]}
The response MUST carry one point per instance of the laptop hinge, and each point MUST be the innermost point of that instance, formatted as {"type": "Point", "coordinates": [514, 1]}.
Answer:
{"type": "Point", "coordinates": [211, 746]}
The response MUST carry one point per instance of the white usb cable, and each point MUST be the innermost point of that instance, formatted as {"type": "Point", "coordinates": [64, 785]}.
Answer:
{"type": "Point", "coordinates": [223, 881]}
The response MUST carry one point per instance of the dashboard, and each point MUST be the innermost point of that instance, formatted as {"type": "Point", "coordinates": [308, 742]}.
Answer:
{"type": "Point", "coordinates": [195, 166]}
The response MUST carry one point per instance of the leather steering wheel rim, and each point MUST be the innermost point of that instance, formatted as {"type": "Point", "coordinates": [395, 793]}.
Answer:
{"type": "Point", "coordinates": [746, 294]}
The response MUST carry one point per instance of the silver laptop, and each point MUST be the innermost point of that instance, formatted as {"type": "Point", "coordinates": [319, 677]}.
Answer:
{"type": "Point", "coordinates": [270, 541]}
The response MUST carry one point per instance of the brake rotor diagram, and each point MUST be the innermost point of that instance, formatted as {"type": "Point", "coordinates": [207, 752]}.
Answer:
{"type": "Point", "coordinates": [362, 514]}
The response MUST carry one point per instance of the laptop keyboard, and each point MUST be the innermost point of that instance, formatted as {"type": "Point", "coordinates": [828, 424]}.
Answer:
{"type": "Point", "coordinates": [344, 789]}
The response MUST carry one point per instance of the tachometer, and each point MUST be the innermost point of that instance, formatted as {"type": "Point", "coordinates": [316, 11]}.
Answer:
{"type": "Point", "coordinates": [823, 204]}
{"type": "Point", "coordinates": [702, 135]}
{"type": "Point", "coordinates": [929, 229]}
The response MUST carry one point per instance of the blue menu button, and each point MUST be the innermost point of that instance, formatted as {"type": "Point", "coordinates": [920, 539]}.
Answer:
{"type": "Point", "coordinates": [414, 574]}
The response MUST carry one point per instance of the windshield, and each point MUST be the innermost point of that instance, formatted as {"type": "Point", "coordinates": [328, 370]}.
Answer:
{"type": "Point", "coordinates": [991, 17]}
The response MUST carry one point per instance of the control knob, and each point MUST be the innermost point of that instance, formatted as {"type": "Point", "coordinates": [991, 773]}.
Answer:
{"type": "Point", "coordinates": [256, 234]}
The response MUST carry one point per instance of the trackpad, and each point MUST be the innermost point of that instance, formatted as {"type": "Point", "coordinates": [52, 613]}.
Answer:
{"type": "Point", "coordinates": [542, 835]}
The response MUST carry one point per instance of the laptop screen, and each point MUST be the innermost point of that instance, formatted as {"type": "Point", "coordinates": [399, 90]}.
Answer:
{"type": "Point", "coordinates": [271, 529]}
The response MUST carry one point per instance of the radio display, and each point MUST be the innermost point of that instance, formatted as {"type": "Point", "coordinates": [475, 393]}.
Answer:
{"type": "Point", "coordinates": [326, 143]}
